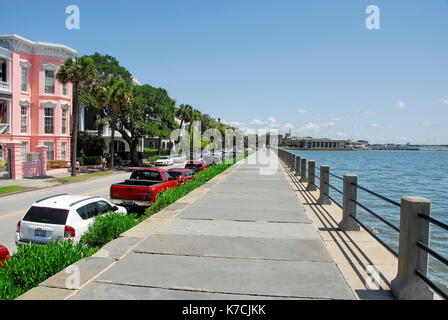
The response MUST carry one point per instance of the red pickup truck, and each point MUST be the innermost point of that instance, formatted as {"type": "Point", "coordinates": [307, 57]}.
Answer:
{"type": "Point", "coordinates": [4, 255]}
{"type": "Point", "coordinates": [142, 188]}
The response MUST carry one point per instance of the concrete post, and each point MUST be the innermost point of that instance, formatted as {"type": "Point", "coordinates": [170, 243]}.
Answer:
{"type": "Point", "coordinates": [350, 192]}
{"type": "Point", "coordinates": [303, 170]}
{"type": "Point", "coordinates": [15, 166]}
{"type": "Point", "coordinates": [311, 176]}
{"type": "Point", "coordinates": [297, 167]}
{"type": "Point", "coordinates": [42, 150]}
{"type": "Point", "coordinates": [324, 188]}
{"type": "Point", "coordinates": [408, 285]}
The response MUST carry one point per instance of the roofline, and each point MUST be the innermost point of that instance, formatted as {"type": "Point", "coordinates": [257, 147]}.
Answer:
{"type": "Point", "coordinates": [14, 36]}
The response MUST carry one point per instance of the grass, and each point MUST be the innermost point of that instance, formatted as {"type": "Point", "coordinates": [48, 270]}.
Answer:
{"type": "Point", "coordinates": [9, 189]}
{"type": "Point", "coordinates": [34, 263]}
{"type": "Point", "coordinates": [82, 177]}
{"type": "Point", "coordinates": [108, 227]}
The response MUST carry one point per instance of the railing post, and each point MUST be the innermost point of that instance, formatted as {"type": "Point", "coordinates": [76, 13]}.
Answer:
{"type": "Point", "coordinates": [350, 194]}
{"type": "Point", "coordinates": [408, 285]}
{"type": "Point", "coordinates": [297, 166]}
{"type": "Point", "coordinates": [324, 188]}
{"type": "Point", "coordinates": [311, 176]}
{"type": "Point", "coordinates": [303, 170]}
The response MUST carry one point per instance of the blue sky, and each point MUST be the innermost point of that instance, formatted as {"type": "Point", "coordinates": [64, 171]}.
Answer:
{"type": "Point", "coordinates": [309, 66]}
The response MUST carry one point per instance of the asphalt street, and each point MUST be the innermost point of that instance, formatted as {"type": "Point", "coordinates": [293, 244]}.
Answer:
{"type": "Point", "coordinates": [14, 207]}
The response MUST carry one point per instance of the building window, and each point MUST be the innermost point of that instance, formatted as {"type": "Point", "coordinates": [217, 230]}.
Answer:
{"type": "Point", "coordinates": [49, 81]}
{"type": "Point", "coordinates": [50, 150]}
{"type": "Point", "coordinates": [24, 150]}
{"type": "Point", "coordinates": [3, 77]}
{"type": "Point", "coordinates": [24, 83]}
{"type": "Point", "coordinates": [24, 119]}
{"type": "Point", "coordinates": [63, 150]}
{"type": "Point", "coordinates": [3, 112]}
{"type": "Point", "coordinates": [64, 89]}
{"type": "Point", "coordinates": [49, 121]}
{"type": "Point", "coordinates": [64, 121]}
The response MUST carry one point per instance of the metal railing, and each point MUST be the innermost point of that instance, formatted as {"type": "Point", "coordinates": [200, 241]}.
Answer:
{"type": "Point", "coordinates": [410, 221]}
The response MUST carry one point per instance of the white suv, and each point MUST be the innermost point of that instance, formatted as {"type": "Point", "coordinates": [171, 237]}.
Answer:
{"type": "Point", "coordinates": [61, 217]}
{"type": "Point", "coordinates": [164, 161]}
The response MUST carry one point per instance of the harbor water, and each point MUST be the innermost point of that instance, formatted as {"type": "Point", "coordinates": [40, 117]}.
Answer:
{"type": "Point", "coordinates": [394, 174]}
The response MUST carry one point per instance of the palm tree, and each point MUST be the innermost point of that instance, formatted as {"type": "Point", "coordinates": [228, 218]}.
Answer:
{"type": "Point", "coordinates": [194, 115]}
{"type": "Point", "coordinates": [80, 72]}
{"type": "Point", "coordinates": [181, 113]}
{"type": "Point", "coordinates": [113, 93]}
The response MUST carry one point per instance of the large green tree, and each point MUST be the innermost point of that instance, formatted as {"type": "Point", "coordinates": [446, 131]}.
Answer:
{"type": "Point", "coordinates": [81, 72]}
{"type": "Point", "coordinates": [113, 94]}
{"type": "Point", "coordinates": [151, 114]}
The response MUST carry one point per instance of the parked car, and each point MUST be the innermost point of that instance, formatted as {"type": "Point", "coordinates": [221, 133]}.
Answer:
{"type": "Point", "coordinates": [61, 217]}
{"type": "Point", "coordinates": [179, 159]}
{"type": "Point", "coordinates": [196, 165]}
{"type": "Point", "coordinates": [211, 160]}
{"type": "Point", "coordinates": [142, 188]}
{"type": "Point", "coordinates": [4, 254]}
{"type": "Point", "coordinates": [182, 174]}
{"type": "Point", "coordinates": [165, 161]}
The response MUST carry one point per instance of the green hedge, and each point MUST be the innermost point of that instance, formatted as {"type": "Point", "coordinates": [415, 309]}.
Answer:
{"type": "Point", "coordinates": [108, 227]}
{"type": "Point", "coordinates": [92, 160]}
{"type": "Point", "coordinates": [34, 263]}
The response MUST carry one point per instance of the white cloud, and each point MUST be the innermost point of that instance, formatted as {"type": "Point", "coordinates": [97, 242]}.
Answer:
{"type": "Point", "coordinates": [328, 124]}
{"type": "Point", "coordinates": [369, 112]}
{"type": "Point", "coordinates": [427, 123]}
{"type": "Point", "coordinates": [400, 105]}
{"type": "Point", "coordinates": [272, 120]}
{"type": "Point", "coordinates": [257, 122]}
{"type": "Point", "coordinates": [312, 126]}
{"type": "Point", "coordinates": [444, 100]}
{"type": "Point", "coordinates": [288, 126]}
{"type": "Point", "coordinates": [341, 134]}
{"type": "Point", "coordinates": [301, 111]}
{"type": "Point", "coordinates": [376, 125]}
{"type": "Point", "coordinates": [236, 123]}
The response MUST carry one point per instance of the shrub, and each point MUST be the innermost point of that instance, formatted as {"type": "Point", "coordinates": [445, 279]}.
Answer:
{"type": "Point", "coordinates": [108, 227]}
{"type": "Point", "coordinates": [34, 263]}
{"type": "Point", "coordinates": [92, 160]}
{"type": "Point", "coordinates": [90, 145]}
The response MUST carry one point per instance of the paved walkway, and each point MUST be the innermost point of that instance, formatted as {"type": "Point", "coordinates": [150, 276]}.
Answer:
{"type": "Point", "coordinates": [247, 237]}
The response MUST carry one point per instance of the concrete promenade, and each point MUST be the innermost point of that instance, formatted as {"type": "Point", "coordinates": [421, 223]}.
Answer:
{"type": "Point", "coordinates": [241, 236]}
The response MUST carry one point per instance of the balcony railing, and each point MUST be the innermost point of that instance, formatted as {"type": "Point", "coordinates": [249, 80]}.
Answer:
{"type": "Point", "coordinates": [4, 85]}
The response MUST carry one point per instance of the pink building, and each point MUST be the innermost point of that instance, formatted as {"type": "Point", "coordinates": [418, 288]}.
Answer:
{"type": "Point", "coordinates": [34, 106]}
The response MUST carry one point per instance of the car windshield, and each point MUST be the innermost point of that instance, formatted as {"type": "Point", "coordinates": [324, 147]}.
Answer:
{"type": "Point", "coordinates": [164, 158]}
{"type": "Point", "coordinates": [194, 164]}
{"type": "Point", "coordinates": [146, 175]}
{"type": "Point", "coordinates": [175, 173]}
{"type": "Point", "coordinates": [46, 215]}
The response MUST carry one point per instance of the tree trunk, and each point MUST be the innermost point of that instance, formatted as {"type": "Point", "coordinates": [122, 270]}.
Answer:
{"type": "Point", "coordinates": [75, 121]}
{"type": "Point", "coordinates": [112, 141]}
{"type": "Point", "coordinates": [134, 154]}
{"type": "Point", "coordinates": [181, 124]}
{"type": "Point", "coordinates": [160, 145]}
